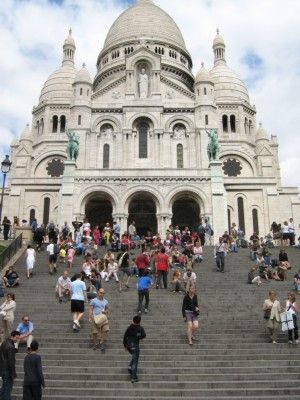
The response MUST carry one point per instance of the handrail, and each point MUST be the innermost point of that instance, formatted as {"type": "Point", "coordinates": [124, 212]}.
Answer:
{"type": "Point", "coordinates": [10, 251]}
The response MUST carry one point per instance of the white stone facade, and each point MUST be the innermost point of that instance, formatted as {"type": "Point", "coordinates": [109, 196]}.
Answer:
{"type": "Point", "coordinates": [144, 156]}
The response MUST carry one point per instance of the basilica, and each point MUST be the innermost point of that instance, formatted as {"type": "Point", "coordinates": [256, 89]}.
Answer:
{"type": "Point", "coordinates": [143, 126]}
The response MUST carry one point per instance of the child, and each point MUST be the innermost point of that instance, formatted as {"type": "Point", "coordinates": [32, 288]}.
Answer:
{"type": "Point", "coordinates": [62, 254]}
{"type": "Point", "coordinates": [112, 270]}
{"type": "Point", "coordinates": [176, 282]}
{"type": "Point", "coordinates": [70, 256]}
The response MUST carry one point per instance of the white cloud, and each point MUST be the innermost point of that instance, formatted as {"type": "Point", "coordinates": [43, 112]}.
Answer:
{"type": "Point", "coordinates": [32, 33]}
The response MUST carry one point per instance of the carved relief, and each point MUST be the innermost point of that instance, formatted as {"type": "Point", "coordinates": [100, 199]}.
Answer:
{"type": "Point", "coordinates": [179, 131]}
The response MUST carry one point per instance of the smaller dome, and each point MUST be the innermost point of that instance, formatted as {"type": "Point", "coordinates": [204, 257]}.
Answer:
{"type": "Point", "coordinates": [228, 84]}
{"type": "Point", "coordinates": [203, 75]}
{"type": "Point", "coordinates": [59, 84]}
{"type": "Point", "coordinates": [83, 76]}
{"type": "Point", "coordinates": [69, 41]}
{"type": "Point", "coordinates": [26, 134]}
{"type": "Point", "coordinates": [218, 40]}
{"type": "Point", "coordinates": [261, 133]}
{"type": "Point", "coordinates": [15, 143]}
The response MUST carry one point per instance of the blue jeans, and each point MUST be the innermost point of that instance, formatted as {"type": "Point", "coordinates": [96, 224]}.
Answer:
{"type": "Point", "coordinates": [7, 385]}
{"type": "Point", "coordinates": [134, 350]}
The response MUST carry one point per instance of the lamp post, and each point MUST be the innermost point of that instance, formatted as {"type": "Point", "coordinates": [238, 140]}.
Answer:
{"type": "Point", "coordinates": [5, 168]}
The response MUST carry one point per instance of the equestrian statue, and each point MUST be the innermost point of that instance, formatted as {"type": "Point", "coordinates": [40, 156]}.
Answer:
{"type": "Point", "coordinates": [73, 145]}
{"type": "Point", "coordinates": [213, 145]}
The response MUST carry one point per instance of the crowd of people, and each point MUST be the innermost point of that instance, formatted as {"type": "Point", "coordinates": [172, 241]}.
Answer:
{"type": "Point", "coordinates": [153, 263]}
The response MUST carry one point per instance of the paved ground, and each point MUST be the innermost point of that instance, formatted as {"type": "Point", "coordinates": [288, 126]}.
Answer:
{"type": "Point", "coordinates": [231, 360]}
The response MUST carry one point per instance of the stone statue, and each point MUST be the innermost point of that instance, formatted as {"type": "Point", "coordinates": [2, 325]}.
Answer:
{"type": "Point", "coordinates": [143, 84]}
{"type": "Point", "coordinates": [73, 145]}
{"type": "Point", "coordinates": [213, 145]}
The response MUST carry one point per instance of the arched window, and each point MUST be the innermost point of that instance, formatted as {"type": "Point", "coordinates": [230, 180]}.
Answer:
{"type": "Point", "coordinates": [31, 215]}
{"type": "Point", "coordinates": [179, 156]}
{"type": "Point", "coordinates": [255, 220]}
{"type": "Point", "coordinates": [42, 126]}
{"type": "Point", "coordinates": [54, 123]}
{"type": "Point", "coordinates": [143, 128]}
{"type": "Point", "coordinates": [80, 91]}
{"type": "Point", "coordinates": [206, 119]}
{"type": "Point", "coordinates": [232, 123]}
{"type": "Point", "coordinates": [250, 126]}
{"type": "Point", "coordinates": [241, 213]}
{"type": "Point", "coordinates": [205, 92]}
{"type": "Point", "coordinates": [246, 125]}
{"type": "Point", "coordinates": [106, 156]}
{"type": "Point", "coordinates": [46, 210]}
{"type": "Point", "coordinates": [62, 123]}
{"type": "Point", "coordinates": [225, 123]}
{"type": "Point", "coordinates": [38, 126]}
{"type": "Point", "coordinates": [79, 119]}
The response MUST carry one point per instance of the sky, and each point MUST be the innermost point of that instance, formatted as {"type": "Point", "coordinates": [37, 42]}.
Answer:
{"type": "Point", "coordinates": [262, 44]}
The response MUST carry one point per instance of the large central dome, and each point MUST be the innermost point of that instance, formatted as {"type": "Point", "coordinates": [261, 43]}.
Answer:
{"type": "Point", "coordinates": [144, 20]}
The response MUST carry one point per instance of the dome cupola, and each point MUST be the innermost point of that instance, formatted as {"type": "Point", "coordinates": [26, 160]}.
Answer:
{"type": "Point", "coordinates": [83, 76]}
{"type": "Point", "coordinates": [58, 87]}
{"type": "Point", "coordinates": [203, 75]}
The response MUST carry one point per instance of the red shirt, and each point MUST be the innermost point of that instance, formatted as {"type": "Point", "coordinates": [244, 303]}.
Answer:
{"type": "Point", "coordinates": [162, 262]}
{"type": "Point", "coordinates": [142, 261]}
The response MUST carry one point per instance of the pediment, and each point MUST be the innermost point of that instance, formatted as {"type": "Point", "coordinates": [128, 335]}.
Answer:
{"type": "Point", "coordinates": [143, 53]}
{"type": "Point", "coordinates": [264, 151]}
{"type": "Point", "coordinates": [22, 151]}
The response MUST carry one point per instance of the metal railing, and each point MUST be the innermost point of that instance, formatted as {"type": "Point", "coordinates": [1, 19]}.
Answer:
{"type": "Point", "coordinates": [10, 251]}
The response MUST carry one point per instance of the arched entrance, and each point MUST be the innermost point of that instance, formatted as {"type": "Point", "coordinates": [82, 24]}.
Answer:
{"type": "Point", "coordinates": [99, 209]}
{"type": "Point", "coordinates": [142, 210]}
{"type": "Point", "coordinates": [186, 212]}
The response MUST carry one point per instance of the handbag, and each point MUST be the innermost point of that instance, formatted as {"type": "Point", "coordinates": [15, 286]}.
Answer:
{"type": "Point", "coordinates": [267, 314]}
{"type": "Point", "coordinates": [287, 321]}
{"type": "Point", "coordinates": [100, 320]}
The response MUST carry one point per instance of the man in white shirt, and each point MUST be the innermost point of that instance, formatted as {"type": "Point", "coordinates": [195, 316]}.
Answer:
{"type": "Point", "coordinates": [63, 287]}
{"type": "Point", "coordinates": [292, 231]}
{"type": "Point", "coordinates": [78, 298]}
{"type": "Point", "coordinates": [52, 257]}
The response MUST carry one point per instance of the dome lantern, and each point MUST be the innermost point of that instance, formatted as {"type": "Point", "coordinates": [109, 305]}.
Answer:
{"type": "Point", "coordinates": [69, 49]}
{"type": "Point", "coordinates": [219, 49]}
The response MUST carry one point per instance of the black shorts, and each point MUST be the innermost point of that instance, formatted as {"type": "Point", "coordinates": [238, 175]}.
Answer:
{"type": "Point", "coordinates": [77, 306]}
{"type": "Point", "coordinates": [53, 258]}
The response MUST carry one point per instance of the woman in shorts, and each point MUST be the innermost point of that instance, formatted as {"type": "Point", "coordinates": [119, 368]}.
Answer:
{"type": "Point", "coordinates": [190, 312]}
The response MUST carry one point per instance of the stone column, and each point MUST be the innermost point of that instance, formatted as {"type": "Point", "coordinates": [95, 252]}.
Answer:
{"type": "Point", "coordinates": [65, 207]}
{"type": "Point", "coordinates": [219, 199]}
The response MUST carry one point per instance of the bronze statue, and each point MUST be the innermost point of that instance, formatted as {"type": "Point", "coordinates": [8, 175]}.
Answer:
{"type": "Point", "coordinates": [73, 145]}
{"type": "Point", "coordinates": [213, 145]}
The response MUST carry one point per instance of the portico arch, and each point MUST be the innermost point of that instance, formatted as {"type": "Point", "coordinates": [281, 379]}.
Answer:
{"type": "Point", "coordinates": [142, 209]}
{"type": "Point", "coordinates": [98, 208]}
{"type": "Point", "coordinates": [186, 210]}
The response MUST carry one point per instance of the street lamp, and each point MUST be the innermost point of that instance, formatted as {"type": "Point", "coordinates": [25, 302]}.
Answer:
{"type": "Point", "coordinates": [5, 168]}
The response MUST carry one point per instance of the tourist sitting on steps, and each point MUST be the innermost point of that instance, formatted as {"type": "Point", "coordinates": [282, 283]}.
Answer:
{"type": "Point", "coordinates": [25, 328]}
{"type": "Point", "coordinates": [11, 277]}
{"type": "Point", "coordinates": [297, 282]}
{"type": "Point", "coordinates": [253, 278]}
{"type": "Point", "coordinates": [63, 287]}
{"type": "Point", "coordinates": [112, 271]}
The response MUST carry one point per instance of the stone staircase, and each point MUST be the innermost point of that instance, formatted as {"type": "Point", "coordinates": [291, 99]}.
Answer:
{"type": "Point", "coordinates": [231, 360]}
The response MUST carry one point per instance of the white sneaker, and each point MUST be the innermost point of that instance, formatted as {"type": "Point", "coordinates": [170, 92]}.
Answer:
{"type": "Point", "coordinates": [290, 342]}
{"type": "Point", "coordinates": [106, 280]}
{"type": "Point", "coordinates": [77, 323]}
{"type": "Point", "coordinates": [297, 341]}
{"type": "Point", "coordinates": [146, 311]}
